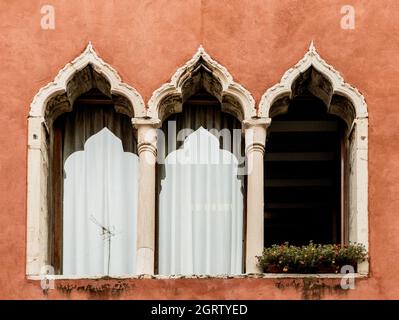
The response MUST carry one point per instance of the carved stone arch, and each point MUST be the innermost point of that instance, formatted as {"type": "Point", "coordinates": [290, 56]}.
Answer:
{"type": "Point", "coordinates": [81, 82]}
{"type": "Point", "coordinates": [201, 71]}
{"type": "Point", "coordinates": [312, 75]}
{"type": "Point", "coordinates": [86, 72]}
{"type": "Point", "coordinates": [321, 80]}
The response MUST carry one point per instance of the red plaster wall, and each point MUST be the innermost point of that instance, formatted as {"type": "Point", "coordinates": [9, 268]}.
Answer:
{"type": "Point", "coordinates": [257, 41]}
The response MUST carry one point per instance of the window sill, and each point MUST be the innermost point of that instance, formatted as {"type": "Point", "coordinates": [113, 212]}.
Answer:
{"type": "Point", "coordinates": [174, 277]}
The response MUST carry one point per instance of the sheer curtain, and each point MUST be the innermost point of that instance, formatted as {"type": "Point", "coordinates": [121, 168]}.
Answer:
{"type": "Point", "coordinates": [99, 192]}
{"type": "Point", "coordinates": [201, 195]}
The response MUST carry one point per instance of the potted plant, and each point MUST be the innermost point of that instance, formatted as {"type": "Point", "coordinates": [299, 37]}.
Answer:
{"type": "Point", "coordinates": [311, 258]}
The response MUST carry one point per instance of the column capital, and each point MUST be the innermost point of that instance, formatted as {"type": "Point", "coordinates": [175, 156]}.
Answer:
{"type": "Point", "coordinates": [146, 122]}
{"type": "Point", "coordinates": [256, 122]}
{"type": "Point", "coordinates": [255, 134]}
{"type": "Point", "coordinates": [147, 135]}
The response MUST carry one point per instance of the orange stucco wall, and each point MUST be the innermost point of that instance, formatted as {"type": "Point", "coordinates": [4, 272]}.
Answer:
{"type": "Point", "coordinates": [257, 41]}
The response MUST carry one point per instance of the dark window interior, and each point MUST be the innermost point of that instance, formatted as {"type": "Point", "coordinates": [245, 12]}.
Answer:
{"type": "Point", "coordinates": [303, 175]}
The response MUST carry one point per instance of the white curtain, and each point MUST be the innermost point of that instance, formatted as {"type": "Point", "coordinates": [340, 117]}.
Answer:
{"type": "Point", "coordinates": [200, 209]}
{"type": "Point", "coordinates": [99, 208]}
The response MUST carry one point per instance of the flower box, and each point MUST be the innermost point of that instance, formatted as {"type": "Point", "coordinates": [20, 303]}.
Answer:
{"type": "Point", "coordinates": [311, 258]}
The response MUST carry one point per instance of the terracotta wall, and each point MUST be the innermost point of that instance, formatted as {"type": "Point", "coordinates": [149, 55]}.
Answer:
{"type": "Point", "coordinates": [146, 41]}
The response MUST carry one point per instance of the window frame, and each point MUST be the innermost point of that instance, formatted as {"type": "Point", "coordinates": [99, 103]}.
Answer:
{"type": "Point", "coordinates": [45, 107]}
{"type": "Point", "coordinates": [244, 191]}
{"type": "Point", "coordinates": [237, 100]}
{"type": "Point", "coordinates": [348, 103]}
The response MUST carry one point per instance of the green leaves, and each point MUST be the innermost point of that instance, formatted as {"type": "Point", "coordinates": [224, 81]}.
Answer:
{"type": "Point", "coordinates": [311, 258]}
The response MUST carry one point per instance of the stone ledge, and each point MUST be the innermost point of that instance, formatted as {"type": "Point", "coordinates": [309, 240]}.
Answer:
{"type": "Point", "coordinates": [175, 277]}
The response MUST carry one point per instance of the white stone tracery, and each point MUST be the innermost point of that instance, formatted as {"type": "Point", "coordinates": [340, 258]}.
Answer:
{"type": "Point", "coordinates": [349, 104]}
{"type": "Point", "coordinates": [312, 59]}
{"type": "Point", "coordinates": [59, 84]}
{"type": "Point", "coordinates": [38, 165]}
{"type": "Point", "coordinates": [169, 99]}
{"type": "Point", "coordinates": [236, 100]}
{"type": "Point", "coordinates": [234, 97]}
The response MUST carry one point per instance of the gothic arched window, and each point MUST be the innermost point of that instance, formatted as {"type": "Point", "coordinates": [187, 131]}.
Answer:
{"type": "Point", "coordinates": [83, 173]}
{"type": "Point", "coordinates": [316, 181]}
{"type": "Point", "coordinates": [93, 185]}
{"type": "Point", "coordinates": [201, 194]}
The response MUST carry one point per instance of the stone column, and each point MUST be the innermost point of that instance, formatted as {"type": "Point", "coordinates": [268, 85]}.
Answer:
{"type": "Point", "coordinates": [255, 141]}
{"type": "Point", "coordinates": [147, 150]}
{"type": "Point", "coordinates": [38, 219]}
{"type": "Point", "coordinates": [358, 189]}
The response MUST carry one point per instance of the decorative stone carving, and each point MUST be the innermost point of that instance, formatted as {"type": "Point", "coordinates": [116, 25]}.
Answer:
{"type": "Point", "coordinates": [313, 60]}
{"type": "Point", "coordinates": [123, 105]}
{"type": "Point", "coordinates": [56, 106]}
{"type": "Point", "coordinates": [104, 70]}
{"type": "Point", "coordinates": [232, 106]}
{"type": "Point", "coordinates": [170, 104]}
{"type": "Point", "coordinates": [202, 70]}
{"type": "Point", "coordinates": [343, 108]}
{"type": "Point", "coordinates": [84, 80]}
{"type": "Point", "coordinates": [280, 106]}
{"type": "Point", "coordinates": [322, 80]}
{"type": "Point", "coordinates": [83, 73]}
{"type": "Point", "coordinates": [314, 82]}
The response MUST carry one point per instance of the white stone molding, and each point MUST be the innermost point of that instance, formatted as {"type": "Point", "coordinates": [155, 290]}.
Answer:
{"type": "Point", "coordinates": [230, 90]}
{"type": "Point", "coordinates": [147, 150]}
{"type": "Point", "coordinates": [312, 59]}
{"type": "Point", "coordinates": [348, 103]}
{"type": "Point", "coordinates": [38, 162]}
{"type": "Point", "coordinates": [59, 84]}
{"type": "Point", "coordinates": [37, 215]}
{"type": "Point", "coordinates": [255, 142]}
{"type": "Point", "coordinates": [357, 145]}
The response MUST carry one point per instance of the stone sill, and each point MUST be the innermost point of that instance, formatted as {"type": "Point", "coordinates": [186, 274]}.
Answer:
{"type": "Point", "coordinates": [175, 277]}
